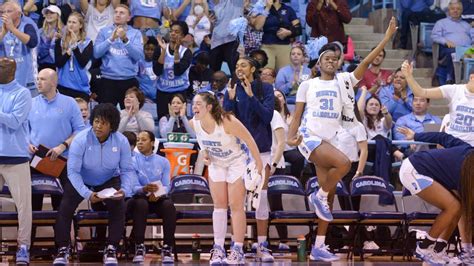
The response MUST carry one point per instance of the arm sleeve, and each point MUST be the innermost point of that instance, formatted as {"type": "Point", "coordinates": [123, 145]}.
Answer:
{"type": "Point", "coordinates": [60, 58]}
{"type": "Point", "coordinates": [102, 45]}
{"type": "Point", "coordinates": [157, 67]}
{"type": "Point", "coordinates": [264, 109]}
{"type": "Point", "coordinates": [445, 139]}
{"type": "Point", "coordinates": [437, 33]}
{"type": "Point", "coordinates": [74, 165]}
{"type": "Point", "coordinates": [141, 179]}
{"type": "Point", "coordinates": [19, 114]}
{"type": "Point", "coordinates": [127, 171]}
{"type": "Point", "coordinates": [145, 121]}
{"type": "Point", "coordinates": [183, 64]}
{"type": "Point", "coordinates": [189, 130]}
{"type": "Point", "coordinates": [31, 31]}
{"type": "Point", "coordinates": [84, 57]}
{"type": "Point", "coordinates": [135, 47]}
{"type": "Point", "coordinates": [229, 105]}
{"type": "Point", "coordinates": [166, 125]}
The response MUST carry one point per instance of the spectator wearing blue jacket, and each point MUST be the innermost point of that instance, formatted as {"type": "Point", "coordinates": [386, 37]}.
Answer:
{"type": "Point", "coordinates": [121, 48]}
{"type": "Point", "coordinates": [99, 158]}
{"type": "Point", "coordinates": [172, 67]}
{"type": "Point", "coordinates": [449, 33]}
{"type": "Point", "coordinates": [18, 38]}
{"type": "Point", "coordinates": [54, 119]}
{"type": "Point", "coordinates": [147, 78]}
{"type": "Point", "coordinates": [15, 104]}
{"type": "Point", "coordinates": [252, 101]}
{"type": "Point", "coordinates": [150, 196]}
{"type": "Point", "coordinates": [397, 97]}
{"type": "Point", "coordinates": [73, 53]}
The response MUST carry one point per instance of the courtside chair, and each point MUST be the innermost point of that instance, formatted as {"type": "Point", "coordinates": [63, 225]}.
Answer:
{"type": "Point", "coordinates": [289, 185]}
{"type": "Point", "coordinates": [340, 217]}
{"type": "Point", "coordinates": [40, 184]}
{"type": "Point", "coordinates": [373, 185]}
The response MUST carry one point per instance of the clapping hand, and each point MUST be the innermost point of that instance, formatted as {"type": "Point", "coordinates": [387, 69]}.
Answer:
{"type": "Point", "coordinates": [231, 90]}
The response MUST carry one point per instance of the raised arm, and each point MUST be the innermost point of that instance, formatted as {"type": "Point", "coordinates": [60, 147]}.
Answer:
{"type": "Point", "coordinates": [433, 93]}
{"type": "Point", "coordinates": [360, 70]}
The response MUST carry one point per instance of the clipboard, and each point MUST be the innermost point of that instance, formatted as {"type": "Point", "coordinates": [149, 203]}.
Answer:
{"type": "Point", "coordinates": [44, 164]}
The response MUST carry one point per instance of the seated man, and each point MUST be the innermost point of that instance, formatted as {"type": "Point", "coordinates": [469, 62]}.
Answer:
{"type": "Point", "coordinates": [449, 33]}
{"type": "Point", "coordinates": [416, 120]}
{"type": "Point", "coordinates": [99, 158]}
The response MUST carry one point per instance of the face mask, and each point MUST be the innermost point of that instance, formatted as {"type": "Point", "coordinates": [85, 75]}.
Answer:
{"type": "Point", "coordinates": [198, 10]}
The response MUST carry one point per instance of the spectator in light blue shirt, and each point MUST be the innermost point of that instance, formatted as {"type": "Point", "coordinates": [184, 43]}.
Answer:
{"type": "Point", "coordinates": [99, 158]}
{"type": "Point", "coordinates": [416, 119]}
{"type": "Point", "coordinates": [153, 172]}
{"type": "Point", "coordinates": [54, 119]}
{"type": "Point", "coordinates": [397, 97]}
{"type": "Point", "coordinates": [121, 48]}
{"type": "Point", "coordinates": [449, 33]}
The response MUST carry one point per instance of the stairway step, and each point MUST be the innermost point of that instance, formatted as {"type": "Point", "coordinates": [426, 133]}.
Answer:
{"type": "Point", "coordinates": [439, 110]}
{"type": "Point", "coordinates": [351, 29]}
{"type": "Point", "coordinates": [358, 21]}
{"type": "Point", "coordinates": [367, 44]}
{"type": "Point", "coordinates": [367, 36]}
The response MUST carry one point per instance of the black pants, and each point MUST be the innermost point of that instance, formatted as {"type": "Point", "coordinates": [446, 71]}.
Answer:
{"type": "Point", "coordinates": [138, 208]}
{"type": "Point", "coordinates": [162, 101]}
{"type": "Point", "coordinates": [71, 199]}
{"type": "Point", "coordinates": [226, 52]}
{"type": "Point", "coordinates": [297, 160]}
{"type": "Point", "coordinates": [113, 91]}
{"type": "Point", "coordinates": [415, 18]}
{"type": "Point", "coordinates": [73, 93]}
{"type": "Point", "coordinates": [345, 201]}
{"type": "Point", "coordinates": [276, 204]}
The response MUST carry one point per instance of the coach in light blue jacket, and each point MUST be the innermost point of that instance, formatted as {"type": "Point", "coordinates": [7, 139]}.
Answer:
{"type": "Point", "coordinates": [121, 48]}
{"type": "Point", "coordinates": [99, 158]}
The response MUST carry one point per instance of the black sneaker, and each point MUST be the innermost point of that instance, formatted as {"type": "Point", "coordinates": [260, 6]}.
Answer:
{"type": "Point", "coordinates": [63, 257]}
{"type": "Point", "coordinates": [140, 252]}
{"type": "Point", "coordinates": [110, 256]}
{"type": "Point", "coordinates": [166, 255]}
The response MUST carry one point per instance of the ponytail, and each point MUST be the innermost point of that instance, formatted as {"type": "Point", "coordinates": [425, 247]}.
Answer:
{"type": "Point", "coordinates": [466, 191]}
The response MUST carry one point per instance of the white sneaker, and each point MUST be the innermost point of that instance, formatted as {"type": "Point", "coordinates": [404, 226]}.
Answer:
{"type": "Point", "coordinates": [110, 256]}
{"type": "Point", "coordinates": [370, 245]}
{"type": "Point", "coordinates": [217, 255]}
{"type": "Point", "coordinates": [236, 257]}
{"type": "Point", "coordinates": [263, 253]}
{"type": "Point", "coordinates": [283, 246]}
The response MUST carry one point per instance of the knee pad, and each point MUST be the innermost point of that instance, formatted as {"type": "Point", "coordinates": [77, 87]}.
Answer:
{"type": "Point", "coordinates": [262, 211]}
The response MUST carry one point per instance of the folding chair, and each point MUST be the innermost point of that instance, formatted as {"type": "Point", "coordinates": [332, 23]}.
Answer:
{"type": "Point", "coordinates": [289, 185]}
{"type": "Point", "coordinates": [372, 185]}
{"type": "Point", "coordinates": [340, 217]}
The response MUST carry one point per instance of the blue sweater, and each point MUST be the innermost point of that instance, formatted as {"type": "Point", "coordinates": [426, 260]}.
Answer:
{"type": "Point", "coordinates": [92, 163]}
{"type": "Point", "coordinates": [254, 112]}
{"type": "Point", "coordinates": [433, 163]}
{"type": "Point", "coordinates": [119, 60]}
{"type": "Point", "coordinates": [397, 108]}
{"type": "Point", "coordinates": [15, 105]}
{"type": "Point", "coordinates": [149, 169]}
{"type": "Point", "coordinates": [284, 78]}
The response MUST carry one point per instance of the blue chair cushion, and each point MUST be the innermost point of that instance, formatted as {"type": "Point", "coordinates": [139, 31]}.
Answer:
{"type": "Point", "coordinates": [421, 215]}
{"type": "Point", "coordinates": [193, 214]}
{"type": "Point", "coordinates": [383, 215]}
{"type": "Point", "coordinates": [293, 215]}
{"type": "Point", "coordinates": [250, 214]}
{"type": "Point", "coordinates": [354, 215]}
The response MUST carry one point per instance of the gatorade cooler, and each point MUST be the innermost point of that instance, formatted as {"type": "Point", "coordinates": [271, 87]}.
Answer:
{"type": "Point", "coordinates": [178, 153]}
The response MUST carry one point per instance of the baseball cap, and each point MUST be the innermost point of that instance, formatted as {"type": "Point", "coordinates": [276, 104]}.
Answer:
{"type": "Point", "coordinates": [51, 8]}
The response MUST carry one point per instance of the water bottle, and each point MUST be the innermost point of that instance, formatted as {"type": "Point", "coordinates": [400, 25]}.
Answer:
{"type": "Point", "coordinates": [196, 247]}
{"type": "Point", "coordinates": [301, 249]}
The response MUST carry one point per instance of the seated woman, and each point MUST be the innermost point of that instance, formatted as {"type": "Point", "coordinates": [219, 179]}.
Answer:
{"type": "Point", "coordinates": [176, 121]}
{"type": "Point", "coordinates": [132, 118]}
{"type": "Point", "coordinates": [290, 76]}
{"type": "Point", "coordinates": [377, 120]}
{"type": "Point", "coordinates": [99, 158]}
{"type": "Point", "coordinates": [397, 97]}
{"type": "Point", "coordinates": [153, 172]}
